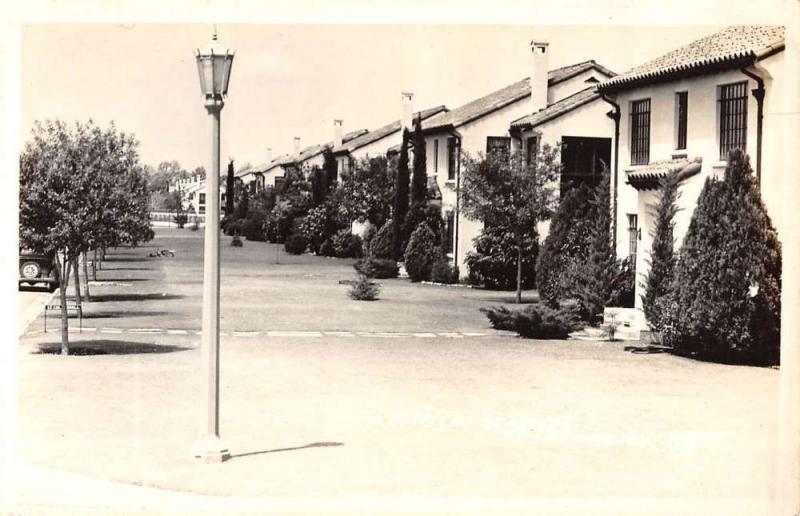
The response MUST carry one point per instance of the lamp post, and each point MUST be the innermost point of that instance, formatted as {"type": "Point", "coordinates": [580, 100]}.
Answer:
{"type": "Point", "coordinates": [214, 67]}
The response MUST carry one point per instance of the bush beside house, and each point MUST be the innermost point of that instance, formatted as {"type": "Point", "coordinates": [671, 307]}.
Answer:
{"type": "Point", "coordinates": [421, 253]}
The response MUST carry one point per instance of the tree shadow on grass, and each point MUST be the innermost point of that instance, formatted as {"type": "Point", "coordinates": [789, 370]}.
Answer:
{"type": "Point", "coordinates": [124, 259]}
{"type": "Point", "coordinates": [136, 297]}
{"type": "Point", "coordinates": [107, 347]}
{"type": "Point", "coordinates": [276, 450]}
{"type": "Point", "coordinates": [511, 299]}
{"type": "Point", "coordinates": [126, 269]}
{"type": "Point", "coordinates": [120, 280]}
{"type": "Point", "coordinates": [120, 313]}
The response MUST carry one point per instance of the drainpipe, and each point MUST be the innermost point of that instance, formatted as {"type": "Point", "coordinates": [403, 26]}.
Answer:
{"type": "Point", "coordinates": [758, 93]}
{"type": "Point", "coordinates": [615, 116]}
{"type": "Point", "coordinates": [455, 134]}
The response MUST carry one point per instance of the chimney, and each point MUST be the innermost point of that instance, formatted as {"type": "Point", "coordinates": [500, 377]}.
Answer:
{"type": "Point", "coordinates": [407, 111]}
{"type": "Point", "coordinates": [338, 138]}
{"type": "Point", "coordinates": [297, 145]}
{"type": "Point", "coordinates": [269, 155]}
{"type": "Point", "coordinates": [540, 53]}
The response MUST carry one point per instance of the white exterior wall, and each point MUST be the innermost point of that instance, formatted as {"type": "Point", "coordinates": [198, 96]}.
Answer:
{"type": "Point", "coordinates": [589, 121]}
{"type": "Point", "coordinates": [473, 141]}
{"type": "Point", "coordinates": [702, 141]}
{"type": "Point", "coordinates": [573, 85]}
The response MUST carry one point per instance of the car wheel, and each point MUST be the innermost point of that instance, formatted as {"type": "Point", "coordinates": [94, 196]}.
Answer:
{"type": "Point", "coordinates": [30, 270]}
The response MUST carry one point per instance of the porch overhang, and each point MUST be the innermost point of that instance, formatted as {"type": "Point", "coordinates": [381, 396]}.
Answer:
{"type": "Point", "coordinates": [649, 177]}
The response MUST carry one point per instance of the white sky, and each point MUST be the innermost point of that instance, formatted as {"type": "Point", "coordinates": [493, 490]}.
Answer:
{"type": "Point", "coordinates": [291, 80]}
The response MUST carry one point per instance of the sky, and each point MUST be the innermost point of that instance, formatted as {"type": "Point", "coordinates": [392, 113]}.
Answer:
{"type": "Point", "coordinates": [291, 79]}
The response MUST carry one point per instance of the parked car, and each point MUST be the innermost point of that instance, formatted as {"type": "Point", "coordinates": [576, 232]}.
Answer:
{"type": "Point", "coordinates": [38, 268]}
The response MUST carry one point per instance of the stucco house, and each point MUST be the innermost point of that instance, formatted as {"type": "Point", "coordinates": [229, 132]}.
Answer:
{"type": "Point", "coordinates": [502, 120]}
{"type": "Point", "coordinates": [313, 157]}
{"type": "Point", "coordinates": [380, 141]}
{"type": "Point", "coordinates": [683, 112]}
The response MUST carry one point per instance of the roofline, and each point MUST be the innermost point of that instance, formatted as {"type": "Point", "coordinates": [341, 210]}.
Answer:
{"type": "Point", "coordinates": [674, 73]}
{"type": "Point", "coordinates": [436, 110]}
{"type": "Point", "coordinates": [450, 126]}
{"type": "Point", "coordinates": [527, 125]}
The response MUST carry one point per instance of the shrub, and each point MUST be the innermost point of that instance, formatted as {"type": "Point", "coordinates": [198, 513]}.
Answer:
{"type": "Point", "coordinates": [377, 268]}
{"type": "Point", "coordinates": [347, 245]}
{"type": "Point", "coordinates": [318, 226]}
{"type": "Point", "coordinates": [493, 263]}
{"type": "Point", "coordinates": [223, 224]}
{"type": "Point", "coordinates": [534, 321]}
{"type": "Point", "coordinates": [236, 241]}
{"type": "Point", "coordinates": [296, 244]}
{"type": "Point", "coordinates": [381, 245]}
{"type": "Point", "coordinates": [253, 229]}
{"type": "Point", "coordinates": [569, 230]}
{"type": "Point", "coordinates": [428, 214]}
{"type": "Point", "coordinates": [727, 280]}
{"type": "Point", "coordinates": [326, 249]}
{"type": "Point", "coordinates": [662, 254]}
{"type": "Point", "coordinates": [444, 272]}
{"type": "Point", "coordinates": [195, 226]}
{"type": "Point", "coordinates": [622, 291]}
{"type": "Point", "coordinates": [233, 227]}
{"type": "Point", "coordinates": [421, 253]}
{"type": "Point", "coordinates": [366, 240]}
{"type": "Point", "coordinates": [362, 289]}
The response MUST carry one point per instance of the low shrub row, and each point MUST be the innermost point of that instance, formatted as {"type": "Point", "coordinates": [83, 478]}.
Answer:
{"type": "Point", "coordinates": [537, 321]}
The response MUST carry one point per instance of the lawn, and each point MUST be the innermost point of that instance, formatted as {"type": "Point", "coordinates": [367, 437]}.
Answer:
{"type": "Point", "coordinates": [491, 417]}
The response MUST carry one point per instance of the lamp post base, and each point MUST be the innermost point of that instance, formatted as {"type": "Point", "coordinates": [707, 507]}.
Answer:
{"type": "Point", "coordinates": [210, 449]}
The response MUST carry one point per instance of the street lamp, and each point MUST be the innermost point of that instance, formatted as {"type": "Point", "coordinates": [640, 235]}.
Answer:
{"type": "Point", "coordinates": [214, 67]}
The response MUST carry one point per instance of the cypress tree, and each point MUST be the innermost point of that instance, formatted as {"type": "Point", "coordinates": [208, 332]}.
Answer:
{"type": "Point", "coordinates": [419, 181]}
{"type": "Point", "coordinates": [229, 193]}
{"type": "Point", "coordinates": [662, 253]}
{"type": "Point", "coordinates": [401, 191]}
{"type": "Point", "coordinates": [330, 167]}
{"type": "Point", "coordinates": [725, 300]}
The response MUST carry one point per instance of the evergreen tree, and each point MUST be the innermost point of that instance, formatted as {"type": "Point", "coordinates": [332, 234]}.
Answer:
{"type": "Point", "coordinates": [421, 253]}
{"type": "Point", "coordinates": [229, 190]}
{"type": "Point", "coordinates": [662, 253]}
{"type": "Point", "coordinates": [725, 300]}
{"type": "Point", "coordinates": [565, 243]}
{"type": "Point", "coordinates": [400, 199]}
{"type": "Point", "coordinates": [419, 181]}
{"type": "Point", "coordinates": [242, 205]}
{"type": "Point", "coordinates": [330, 168]}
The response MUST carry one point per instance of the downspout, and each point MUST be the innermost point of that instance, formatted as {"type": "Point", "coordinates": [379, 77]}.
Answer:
{"type": "Point", "coordinates": [758, 93]}
{"type": "Point", "coordinates": [457, 136]}
{"type": "Point", "coordinates": [615, 116]}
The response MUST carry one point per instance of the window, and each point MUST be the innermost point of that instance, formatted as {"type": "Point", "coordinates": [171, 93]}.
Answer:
{"type": "Point", "coordinates": [732, 118]}
{"type": "Point", "coordinates": [531, 148]}
{"type": "Point", "coordinates": [640, 132]}
{"type": "Point", "coordinates": [681, 109]}
{"type": "Point", "coordinates": [452, 158]}
{"type": "Point", "coordinates": [582, 161]}
{"type": "Point", "coordinates": [202, 198]}
{"type": "Point", "coordinates": [633, 235]}
{"type": "Point", "coordinates": [450, 221]}
{"type": "Point", "coordinates": [435, 156]}
{"type": "Point", "coordinates": [498, 144]}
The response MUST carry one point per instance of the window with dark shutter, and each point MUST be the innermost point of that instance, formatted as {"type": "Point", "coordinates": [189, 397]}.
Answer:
{"type": "Point", "coordinates": [640, 132]}
{"type": "Point", "coordinates": [531, 147]}
{"type": "Point", "coordinates": [450, 220]}
{"type": "Point", "coordinates": [498, 144]}
{"type": "Point", "coordinates": [452, 158]}
{"type": "Point", "coordinates": [732, 118]}
{"type": "Point", "coordinates": [682, 104]}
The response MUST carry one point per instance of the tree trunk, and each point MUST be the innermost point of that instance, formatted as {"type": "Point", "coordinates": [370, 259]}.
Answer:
{"type": "Point", "coordinates": [64, 266]}
{"type": "Point", "coordinates": [75, 269]}
{"type": "Point", "coordinates": [94, 266]}
{"type": "Point", "coordinates": [86, 276]}
{"type": "Point", "coordinates": [519, 273]}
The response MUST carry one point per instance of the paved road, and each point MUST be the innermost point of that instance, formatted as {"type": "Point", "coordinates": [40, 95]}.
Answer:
{"type": "Point", "coordinates": [31, 304]}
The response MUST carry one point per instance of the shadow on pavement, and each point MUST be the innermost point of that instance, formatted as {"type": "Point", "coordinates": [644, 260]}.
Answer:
{"type": "Point", "coordinates": [122, 280]}
{"type": "Point", "coordinates": [134, 297]}
{"type": "Point", "coordinates": [123, 259]}
{"type": "Point", "coordinates": [107, 347]}
{"type": "Point", "coordinates": [127, 269]}
{"type": "Point", "coordinates": [120, 313]}
{"type": "Point", "coordinates": [276, 450]}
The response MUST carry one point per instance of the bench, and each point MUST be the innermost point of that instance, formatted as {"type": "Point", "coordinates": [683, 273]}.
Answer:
{"type": "Point", "coordinates": [71, 308]}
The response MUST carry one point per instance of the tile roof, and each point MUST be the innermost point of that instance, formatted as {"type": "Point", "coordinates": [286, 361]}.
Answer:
{"type": "Point", "coordinates": [732, 47]}
{"type": "Point", "coordinates": [314, 150]}
{"type": "Point", "coordinates": [505, 96]}
{"type": "Point", "coordinates": [383, 132]}
{"type": "Point", "coordinates": [558, 108]}
{"type": "Point", "coordinates": [649, 177]}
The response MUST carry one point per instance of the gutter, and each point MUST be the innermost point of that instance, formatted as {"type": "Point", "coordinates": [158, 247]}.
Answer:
{"type": "Point", "coordinates": [615, 116]}
{"type": "Point", "coordinates": [758, 93]}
